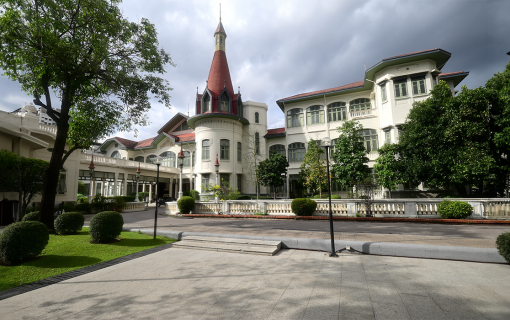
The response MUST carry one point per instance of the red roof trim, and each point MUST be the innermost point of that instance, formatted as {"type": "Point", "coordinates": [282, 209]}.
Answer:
{"type": "Point", "coordinates": [347, 86]}
{"type": "Point", "coordinates": [450, 73]}
{"type": "Point", "coordinates": [276, 130]}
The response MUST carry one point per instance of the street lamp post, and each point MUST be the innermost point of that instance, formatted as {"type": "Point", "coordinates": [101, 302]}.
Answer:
{"type": "Point", "coordinates": [284, 178]}
{"type": "Point", "coordinates": [181, 163]}
{"type": "Point", "coordinates": [91, 174]}
{"type": "Point", "coordinates": [217, 170]}
{"type": "Point", "coordinates": [137, 179]}
{"type": "Point", "coordinates": [157, 163]}
{"type": "Point", "coordinates": [326, 143]}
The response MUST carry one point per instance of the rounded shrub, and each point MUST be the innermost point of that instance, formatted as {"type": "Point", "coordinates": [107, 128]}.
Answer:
{"type": "Point", "coordinates": [195, 195]}
{"type": "Point", "coordinates": [106, 226]}
{"type": "Point", "coordinates": [503, 245]}
{"type": "Point", "coordinates": [243, 197]}
{"type": "Point", "coordinates": [22, 240]}
{"type": "Point", "coordinates": [32, 216]}
{"type": "Point", "coordinates": [303, 206]}
{"type": "Point", "coordinates": [69, 222]}
{"type": "Point", "coordinates": [454, 209]}
{"type": "Point", "coordinates": [185, 204]}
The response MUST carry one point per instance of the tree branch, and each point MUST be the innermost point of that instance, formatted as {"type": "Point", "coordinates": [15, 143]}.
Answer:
{"type": "Point", "coordinates": [76, 147]}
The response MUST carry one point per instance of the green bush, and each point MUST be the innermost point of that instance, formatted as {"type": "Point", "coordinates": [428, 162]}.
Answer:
{"type": "Point", "coordinates": [23, 240]}
{"type": "Point", "coordinates": [82, 200]}
{"type": "Point", "coordinates": [185, 204]}
{"type": "Point", "coordinates": [69, 222]}
{"type": "Point", "coordinates": [503, 245]}
{"type": "Point", "coordinates": [106, 226]}
{"type": "Point", "coordinates": [326, 196]}
{"type": "Point", "coordinates": [83, 207]}
{"type": "Point", "coordinates": [454, 209]}
{"type": "Point", "coordinates": [128, 198]}
{"type": "Point", "coordinates": [69, 207]}
{"type": "Point", "coordinates": [195, 195]}
{"type": "Point", "coordinates": [243, 197]}
{"type": "Point", "coordinates": [303, 206]}
{"type": "Point", "coordinates": [32, 216]}
{"type": "Point", "coordinates": [119, 203]}
{"type": "Point", "coordinates": [142, 195]}
{"type": "Point", "coordinates": [186, 194]}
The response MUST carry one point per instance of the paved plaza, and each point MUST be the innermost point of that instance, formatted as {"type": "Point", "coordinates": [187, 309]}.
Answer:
{"type": "Point", "coordinates": [294, 284]}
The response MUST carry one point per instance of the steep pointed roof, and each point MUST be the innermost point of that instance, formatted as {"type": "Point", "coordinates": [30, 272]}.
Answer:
{"type": "Point", "coordinates": [219, 73]}
{"type": "Point", "coordinates": [220, 29]}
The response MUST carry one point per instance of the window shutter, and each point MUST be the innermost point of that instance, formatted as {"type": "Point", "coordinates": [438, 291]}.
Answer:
{"type": "Point", "coordinates": [308, 118]}
{"type": "Point", "coordinates": [321, 116]}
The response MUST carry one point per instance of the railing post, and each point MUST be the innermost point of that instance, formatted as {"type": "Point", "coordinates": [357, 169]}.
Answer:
{"type": "Point", "coordinates": [352, 209]}
{"type": "Point", "coordinates": [264, 207]}
{"type": "Point", "coordinates": [410, 210]}
{"type": "Point", "coordinates": [226, 207]}
{"type": "Point", "coordinates": [477, 209]}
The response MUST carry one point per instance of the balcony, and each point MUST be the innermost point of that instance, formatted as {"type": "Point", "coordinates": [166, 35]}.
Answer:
{"type": "Point", "coordinates": [360, 114]}
{"type": "Point", "coordinates": [120, 163]}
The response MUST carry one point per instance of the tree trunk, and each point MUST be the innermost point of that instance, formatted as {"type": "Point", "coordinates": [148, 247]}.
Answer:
{"type": "Point", "coordinates": [53, 170]}
{"type": "Point", "coordinates": [461, 189]}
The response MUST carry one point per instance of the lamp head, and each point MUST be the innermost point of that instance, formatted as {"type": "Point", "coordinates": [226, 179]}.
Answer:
{"type": "Point", "coordinates": [217, 165]}
{"type": "Point", "coordinates": [326, 142]}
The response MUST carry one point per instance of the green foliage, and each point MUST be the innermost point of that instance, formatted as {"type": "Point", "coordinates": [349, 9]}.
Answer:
{"type": "Point", "coordinates": [186, 194]}
{"type": "Point", "coordinates": [270, 171]}
{"type": "Point", "coordinates": [185, 204]}
{"type": "Point", "coordinates": [82, 200]}
{"type": "Point", "coordinates": [454, 209]}
{"type": "Point", "coordinates": [142, 195]}
{"type": "Point", "coordinates": [313, 169]}
{"type": "Point", "coordinates": [84, 208]}
{"type": "Point", "coordinates": [326, 196]}
{"type": "Point", "coordinates": [387, 167]}
{"type": "Point", "coordinates": [195, 195]}
{"type": "Point", "coordinates": [69, 222]}
{"type": "Point", "coordinates": [22, 240]}
{"type": "Point", "coordinates": [8, 171]}
{"type": "Point", "coordinates": [503, 245]}
{"type": "Point", "coordinates": [106, 226]}
{"type": "Point", "coordinates": [243, 197]}
{"type": "Point", "coordinates": [82, 188]}
{"type": "Point", "coordinates": [32, 216]}
{"type": "Point", "coordinates": [303, 206]}
{"type": "Point", "coordinates": [223, 191]}
{"type": "Point", "coordinates": [350, 156]}
{"type": "Point", "coordinates": [69, 207]}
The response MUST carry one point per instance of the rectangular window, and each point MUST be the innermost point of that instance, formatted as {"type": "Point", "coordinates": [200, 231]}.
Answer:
{"type": "Point", "coordinates": [225, 179]}
{"type": "Point", "coordinates": [224, 106]}
{"type": "Point", "coordinates": [315, 115]}
{"type": "Point", "coordinates": [240, 182]}
{"type": "Point", "coordinates": [205, 180]}
{"type": "Point", "coordinates": [419, 85]}
{"type": "Point", "coordinates": [239, 152]}
{"type": "Point", "coordinates": [205, 149]}
{"type": "Point", "coordinates": [187, 159]}
{"type": "Point", "coordinates": [224, 149]}
{"type": "Point", "coordinates": [384, 97]}
{"type": "Point", "coordinates": [400, 88]}
{"type": "Point", "coordinates": [387, 137]}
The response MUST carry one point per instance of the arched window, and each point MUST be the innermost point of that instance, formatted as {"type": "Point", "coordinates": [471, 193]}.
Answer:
{"type": "Point", "coordinates": [151, 158]}
{"type": "Point", "coordinates": [187, 159]}
{"type": "Point", "coordinates": [224, 149]}
{"type": "Point", "coordinates": [115, 154]}
{"type": "Point", "coordinates": [278, 148]}
{"type": "Point", "coordinates": [359, 104]}
{"type": "Point", "coordinates": [314, 115]}
{"type": "Point", "coordinates": [337, 111]}
{"type": "Point", "coordinates": [205, 149]}
{"type": "Point", "coordinates": [296, 152]}
{"type": "Point", "coordinates": [225, 103]}
{"type": "Point", "coordinates": [168, 159]}
{"type": "Point", "coordinates": [256, 117]}
{"type": "Point", "coordinates": [206, 105]}
{"type": "Point", "coordinates": [139, 159]}
{"type": "Point", "coordinates": [370, 137]}
{"type": "Point", "coordinates": [257, 143]}
{"type": "Point", "coordinates": [62, 186]}
{"type": "Point", "coordinates": [295, 118]}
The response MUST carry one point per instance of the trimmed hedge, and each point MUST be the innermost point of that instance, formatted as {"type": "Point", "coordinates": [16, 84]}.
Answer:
{"type": "Point", "coordinates": [185, 204]}
{"type": "Point", "coordinates": [503, 245]}
{"type": "Point", "coordinates": [326, 196]}
{"type": "Point", "coordinates": [303, 206]}
{"type": "Point", "coordinates": [454, 209]}
{"type": "Point", "coordinates": [106, 226]}
{"type": "Point", "coordinates": [244, 197]}
{"type": "Point", "coordinates": [32, 216]}
{"type": "Point", "coordinates": [69, 222]}
{"type": "Point", "coordinates": [22, 240]}
{"type": "Point", "coordinates": [195, 195]}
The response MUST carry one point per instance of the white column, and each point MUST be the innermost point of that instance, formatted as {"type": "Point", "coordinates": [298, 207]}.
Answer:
{"type": "Point", "coordinates": [115, 184]}
{"type": "Point", "coordinates": [288, 187]}
{"type": "Point", "coordinates": [124, 182]}
{"type": "Point", "coordinates": [150, 192]}
{"type": "Point", "coordinates": [180, 185]}
{"type": "Point", "coordinates": [92, 184]}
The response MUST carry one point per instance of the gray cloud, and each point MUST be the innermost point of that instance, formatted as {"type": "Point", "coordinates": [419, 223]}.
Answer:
{"type": "Point", "coordinates": [277, 49]}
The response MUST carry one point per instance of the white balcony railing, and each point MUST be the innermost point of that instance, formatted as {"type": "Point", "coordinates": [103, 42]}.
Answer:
{"type": "Point", "coordinates": [367, 113]}
{"type": "Point", "coordinates": [121, 163]}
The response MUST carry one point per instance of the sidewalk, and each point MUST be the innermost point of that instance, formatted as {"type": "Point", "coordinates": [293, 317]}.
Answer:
{"type": "Point", "coordinates": [193, 284]}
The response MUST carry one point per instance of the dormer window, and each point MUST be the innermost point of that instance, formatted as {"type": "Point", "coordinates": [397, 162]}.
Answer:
{"type": "Point", "coordinates": [225, 103]}
{"type": "Point", "coordinates": [207, 103]}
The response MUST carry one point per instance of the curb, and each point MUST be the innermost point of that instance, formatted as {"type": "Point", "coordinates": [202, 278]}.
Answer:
{"type": "Point", "coordinates": [388, 219]}
{"type": "Point", "coordinates": [487, 255]}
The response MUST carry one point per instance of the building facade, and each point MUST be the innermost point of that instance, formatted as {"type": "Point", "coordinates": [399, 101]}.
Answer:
{"type": "Point", "coordinates": [234, 132]}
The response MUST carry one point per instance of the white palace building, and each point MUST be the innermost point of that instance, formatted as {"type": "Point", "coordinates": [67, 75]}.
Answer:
{"type": "Point", "coordinates": [235, 131]}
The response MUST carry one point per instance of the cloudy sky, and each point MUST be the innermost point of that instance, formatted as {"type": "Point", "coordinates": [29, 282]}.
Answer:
{"type": "Point", "coordinates": [276, 49]}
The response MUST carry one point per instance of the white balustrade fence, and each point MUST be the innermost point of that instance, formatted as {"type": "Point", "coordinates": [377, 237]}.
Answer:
{"type": "Point", "coordinates": [134, 206]}
{"type": "Point", "coordinates": [399, 208]}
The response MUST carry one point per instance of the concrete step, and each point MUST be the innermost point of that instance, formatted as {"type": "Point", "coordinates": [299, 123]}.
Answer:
{"type": "Point", "coordinates": [247, 246]}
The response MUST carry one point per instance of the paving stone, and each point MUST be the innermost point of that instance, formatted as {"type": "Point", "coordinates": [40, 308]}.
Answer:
{"type": "Point", "coordinates": [384, 311]}
{"type": "Point", "coordinates": [420, 307]}
{"type": "Point", "coordinates": [287, 310]}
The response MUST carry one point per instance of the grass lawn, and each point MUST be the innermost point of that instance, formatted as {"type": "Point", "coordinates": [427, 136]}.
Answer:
{"type": "Point", "coordinates": [70, 252]}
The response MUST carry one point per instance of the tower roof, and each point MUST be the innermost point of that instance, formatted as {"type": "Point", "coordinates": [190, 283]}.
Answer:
{"type": "Point", "coordinates": [220, 29]}
{"type": "Point", "coordinates": [219, 75]}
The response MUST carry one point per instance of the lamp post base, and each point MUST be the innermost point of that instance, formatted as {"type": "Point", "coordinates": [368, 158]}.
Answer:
{"type": "Point", "coordinates": [179, 195]}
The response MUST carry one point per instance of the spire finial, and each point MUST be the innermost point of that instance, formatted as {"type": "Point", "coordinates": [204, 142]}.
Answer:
{"type": "Point", "coordinates": [224, 83]}
{"type": "Point", "coordinates": [220, 12]}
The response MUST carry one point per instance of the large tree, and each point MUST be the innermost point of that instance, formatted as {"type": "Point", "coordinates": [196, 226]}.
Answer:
{"type": "Point", "coordinates": [350, 161]}
{"type": "Point", "coordinates": [270, 171]}
{"type": "Point", "coordinates": [313, 169]}
{"type": "Point", "coordinates": [101, 66]}
{"type": "Point", "coordinates": [446, 139]}
{"type": "Point", "coordinates": [387, 167]}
